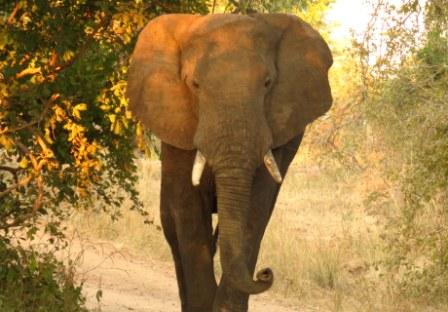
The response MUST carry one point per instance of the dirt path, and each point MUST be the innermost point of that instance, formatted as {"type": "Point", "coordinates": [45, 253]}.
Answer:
{"type": "Point", "coordinates": [131, 284]}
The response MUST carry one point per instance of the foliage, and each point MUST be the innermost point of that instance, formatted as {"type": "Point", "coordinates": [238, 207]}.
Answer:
{"type": "Point", "coordinates": [265, 5]}
{"type": "Point", "coordinates": [387, 131]}
{"type": "Point", "coordinates": [407, 108]}
{"type": "Point", "coordinates": [66, 138]}
{"type": "Point", "coordinates": [34, 282]}
{"type": "Point", "coordinates": [313, 10]}
{"type": "Point", "coordinates": [65, 133]}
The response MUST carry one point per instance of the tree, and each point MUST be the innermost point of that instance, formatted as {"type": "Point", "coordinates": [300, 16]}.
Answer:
{"type": "Point", "coordinates": [66, 138]}
{"type": "Point", "coordinates": [313, 9]}
{"type": "Point", "coordinates": [65, 133]}
{"type": "Point", "coordinates": [406, 107]}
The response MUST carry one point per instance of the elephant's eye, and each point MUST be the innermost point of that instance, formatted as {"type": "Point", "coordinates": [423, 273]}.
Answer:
{"type": "Point", "coordinates": [195, 84]}
{"type": "Point", "coordinates": [267, 82]}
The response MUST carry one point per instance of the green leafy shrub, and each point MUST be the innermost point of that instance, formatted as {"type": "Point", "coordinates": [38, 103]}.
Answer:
{"type": "Point", "coordinates": [67, 140]}
{"type": "Point", "coordinates": [36, 282]}
{"type": "Point", "coordinates": [407, 108]}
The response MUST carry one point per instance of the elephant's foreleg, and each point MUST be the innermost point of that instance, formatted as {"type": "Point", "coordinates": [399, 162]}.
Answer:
{"type": "Point", "coordinates": [169, 231]}
{"type": "Point", "coordinates": [186, 221]}
{"type": "Point", "coordinates": [264, 194]}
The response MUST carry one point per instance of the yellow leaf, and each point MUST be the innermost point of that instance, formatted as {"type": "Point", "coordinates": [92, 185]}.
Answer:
{"type": "Point", "coordinates": [24, 163]}
{"type": "Point", "coordinates": [77, 109]}
{"type": "Point", "coordinates": [53, 165]}
{"type": "Point", "coordinates": [41, 143]}
{"type": "Point", "coordinates": [67, 56]}
{"type": "Point", "coordinates": [76, 114]}
{"type": "Point", "coordinates": [112, 117]}
{"type": "Point", "coordinates": [60, 113]}
{"type": "Point", "coordinates": [48, 136]}
{"type": "Point", "coordinates": [41, 164]}
{"type": "Point", "coordinates": [6, 142]}
{"type": "Point", "coordinates": [117, 128]}
{"type": "Point", "coordinates": [47, 151]}
{"type": "Point", "coordinates": [28, 71]}
{"type": "Point", "coordinates": [128, 114]}
{"type": "Point", "coordinates": [139, 130]}
{"type": "Point", "coordinates": [125, 122]}
{"type": "Point", "coordinates": [105, 107]}
{"type": "Point", "coordinates": [81, 106]}
{"type": "Point", "coordinates": [91, 149]}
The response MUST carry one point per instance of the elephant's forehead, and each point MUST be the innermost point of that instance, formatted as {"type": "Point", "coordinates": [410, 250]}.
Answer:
{"type": "Point", "coordinates": [210, 23]}
{"type": "Point", "coordinates": [228, 32]}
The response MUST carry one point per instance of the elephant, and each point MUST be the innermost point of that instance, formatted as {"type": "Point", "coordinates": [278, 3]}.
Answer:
{"type": "Point", "coordinates": [229, 96]}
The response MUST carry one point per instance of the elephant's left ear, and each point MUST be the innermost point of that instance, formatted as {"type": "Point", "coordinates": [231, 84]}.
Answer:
{"type": "Point", "coordinates": [302, 91]}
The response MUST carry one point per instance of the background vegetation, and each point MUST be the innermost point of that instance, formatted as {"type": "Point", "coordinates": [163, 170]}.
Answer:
{"type": "Point", "coordinates": [368, 221]}
{"type": "Point", "coordinates": [66, 139]}
{"type": "Point", "coordinates": [407, 108]}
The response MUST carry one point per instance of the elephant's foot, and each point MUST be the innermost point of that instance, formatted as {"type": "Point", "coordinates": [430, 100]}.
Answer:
{"type": "Point", "coordinates": [223, 310]}
{"type": "Point", "coordinates": [230, 300]}
{"type": "Point", "coordinates": [197, 309]}
{"type": "Point", "coordinates": [229, 308]}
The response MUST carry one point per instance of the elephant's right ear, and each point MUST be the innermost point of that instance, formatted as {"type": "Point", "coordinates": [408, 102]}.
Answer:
{"type": "Point", "coordinates": [157, 95]}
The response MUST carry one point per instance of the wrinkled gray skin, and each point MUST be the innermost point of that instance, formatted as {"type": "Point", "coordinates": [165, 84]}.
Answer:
{"type": "Point", "coordinates": [232, 87]}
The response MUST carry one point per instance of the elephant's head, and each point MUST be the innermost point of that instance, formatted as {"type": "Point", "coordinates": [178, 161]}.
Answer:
{"type": "Point", "coordinates": [233, 87]}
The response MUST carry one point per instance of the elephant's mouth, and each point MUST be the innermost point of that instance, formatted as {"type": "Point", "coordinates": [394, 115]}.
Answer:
{"type": "Point", "coordinates": [200, 161]}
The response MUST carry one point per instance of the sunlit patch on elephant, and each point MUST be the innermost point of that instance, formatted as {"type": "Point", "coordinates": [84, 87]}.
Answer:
{"type": "Point", "coordinates": [230, 97]}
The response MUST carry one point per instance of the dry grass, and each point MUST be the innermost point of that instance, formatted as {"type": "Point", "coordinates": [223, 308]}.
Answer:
{"type": "Point", "coordinates": [322, 244]}
{"type": "Point", "coordinates": [319, 240]}
{"type": "Point", "coordinates": [130, 230]}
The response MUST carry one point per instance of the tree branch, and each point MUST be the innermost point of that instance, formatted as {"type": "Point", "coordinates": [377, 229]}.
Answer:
{"type": "Point", "coordinates": [13, 14]}
{"type": "Point", "coordinates": [40, 197]}
{"type": "Point", "coordinates": [27, 72]}
{"type": "Point", "coordinates": [10, 169]}
{"type": "Point", "coordinates": [47, 106]}
{"type": "Point", "coordinates": [23, 182]}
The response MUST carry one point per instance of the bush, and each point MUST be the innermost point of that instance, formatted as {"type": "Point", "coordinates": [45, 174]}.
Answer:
{"type": "Point", "coordinates": [36, 282]}
{"type": "Point", "coordinates": [67, 140]}
{"type": "Point", "coordinates": [407, 108]}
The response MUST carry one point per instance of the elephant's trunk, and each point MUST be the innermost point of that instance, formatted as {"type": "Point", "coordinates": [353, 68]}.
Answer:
{"type": "Point", "coordinates": [233, 191]}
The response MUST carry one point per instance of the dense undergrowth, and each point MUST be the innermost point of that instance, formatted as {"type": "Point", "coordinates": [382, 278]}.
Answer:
{"type": "Point", "coordinates": [33, 281]}
{"type": "Point", "coordinates": [66, 137]}
{"type": "Point", "coordinates": [408, 110]}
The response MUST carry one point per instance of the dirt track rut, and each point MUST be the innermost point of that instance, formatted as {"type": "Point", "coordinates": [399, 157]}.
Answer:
{"type": "Point", "coordinates": [131, 284]}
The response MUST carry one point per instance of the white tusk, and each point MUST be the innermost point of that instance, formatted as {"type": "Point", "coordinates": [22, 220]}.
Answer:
{"type": "Point", "coordinates": [272, 167]}
{"type": "Point", "coordinates": [198, 168]}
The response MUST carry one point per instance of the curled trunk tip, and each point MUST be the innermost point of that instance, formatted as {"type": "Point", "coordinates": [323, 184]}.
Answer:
{"type": "Point", "coordinates": [244, 282]}
{"type": "Point", "coordinates": [266, 275]}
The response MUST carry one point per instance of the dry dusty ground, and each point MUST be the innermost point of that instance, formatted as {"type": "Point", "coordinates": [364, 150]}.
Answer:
{"type": "Point", "coordinates": [131, 284]}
